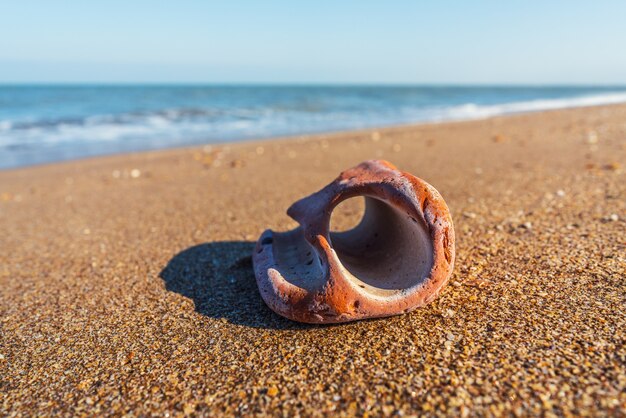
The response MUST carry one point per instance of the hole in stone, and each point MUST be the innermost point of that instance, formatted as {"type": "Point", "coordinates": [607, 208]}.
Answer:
{"type": "Point", "coordinates": [267, 240]}
{"type": "Point", "coordinates": [387, 251]}
{"type": "Point", "coordinates": [347, 214]}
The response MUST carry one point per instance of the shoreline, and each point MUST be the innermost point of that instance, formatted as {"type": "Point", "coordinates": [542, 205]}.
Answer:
{"type": "Point", "coordinates": [313, 135]}
{"type": "Point", "coordinates": [126, 285]}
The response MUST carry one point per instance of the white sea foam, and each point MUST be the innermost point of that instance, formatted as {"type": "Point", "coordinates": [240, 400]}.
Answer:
{"type": "Point", "coordinates": [5, 125]}
{"type": "Point", "coordinates": [474, 111]}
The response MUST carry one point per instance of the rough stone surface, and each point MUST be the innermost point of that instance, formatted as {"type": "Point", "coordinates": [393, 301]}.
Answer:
{"type": "Point", "coordinates": [398, 258]}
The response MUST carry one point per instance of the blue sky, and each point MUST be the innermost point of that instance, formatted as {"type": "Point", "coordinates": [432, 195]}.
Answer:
{"type": "Point", "coordinates": [187, 41]}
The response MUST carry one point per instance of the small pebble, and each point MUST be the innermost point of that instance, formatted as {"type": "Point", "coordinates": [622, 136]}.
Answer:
{"type": "Point", "coordinates": [527, 225]}
{"type": "Point", "coordinates": [449, 313]}
{"type": "Point", "coordinates": [592, 137]}
{"type": "Point", "coordinates": [135, 173]}
{"type": "Point", "coordinates": [560, 193]}
{"type": "Point", "coordinates": [613, 166]}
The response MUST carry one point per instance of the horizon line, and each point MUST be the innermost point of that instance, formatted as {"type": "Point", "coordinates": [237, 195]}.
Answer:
{"type": "Point", "coordinates": [300, 84]}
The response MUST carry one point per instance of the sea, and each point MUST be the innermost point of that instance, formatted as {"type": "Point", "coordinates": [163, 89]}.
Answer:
{"type": "Point", "coordinates": [47, 123]}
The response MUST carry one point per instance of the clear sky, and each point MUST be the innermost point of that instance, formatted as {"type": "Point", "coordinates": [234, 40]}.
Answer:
{"type": "Point", "coordinates": [271, 41]}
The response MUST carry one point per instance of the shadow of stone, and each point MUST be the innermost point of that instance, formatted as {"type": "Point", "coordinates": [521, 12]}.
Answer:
{"type": "Point", "coordinates": [219, 278]}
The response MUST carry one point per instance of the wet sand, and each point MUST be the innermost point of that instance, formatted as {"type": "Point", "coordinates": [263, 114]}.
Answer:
{"type": "Point", "coordinates": [126, 283]}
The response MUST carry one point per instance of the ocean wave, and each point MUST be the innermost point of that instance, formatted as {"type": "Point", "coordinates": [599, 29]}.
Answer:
{"type": "Point", "coordinates": [474, 111]}
{"type": "Point", "coordinates": [111, 129]}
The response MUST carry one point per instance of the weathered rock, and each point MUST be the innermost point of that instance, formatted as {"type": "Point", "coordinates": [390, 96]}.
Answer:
{"type": "Point", "coordinates": [396, 259]}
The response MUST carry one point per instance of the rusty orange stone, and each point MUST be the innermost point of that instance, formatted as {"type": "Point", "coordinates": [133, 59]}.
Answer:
{"type": "Point", "coordinates": [396, 259]}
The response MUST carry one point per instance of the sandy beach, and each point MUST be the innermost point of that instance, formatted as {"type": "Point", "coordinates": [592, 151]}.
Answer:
{"type": "Point", "coordinates": [126, 284]}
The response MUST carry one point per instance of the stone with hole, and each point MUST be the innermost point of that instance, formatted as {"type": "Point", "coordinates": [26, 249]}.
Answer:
{"type": "Point", "coordinates": [396, 259]}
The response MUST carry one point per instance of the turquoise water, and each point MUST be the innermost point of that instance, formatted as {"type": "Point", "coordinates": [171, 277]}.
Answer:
{"type": "Point", "coordinates": [41, 124]}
